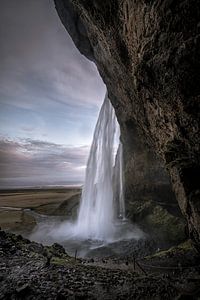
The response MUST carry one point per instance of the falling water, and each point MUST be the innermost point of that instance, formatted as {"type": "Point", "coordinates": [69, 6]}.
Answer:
{"type": "Point", "coordinates": [101, 218]}
{"type": "Point", "coordinates": [97, 212]}
{"type": "Point", "coordinates": [118, 182]}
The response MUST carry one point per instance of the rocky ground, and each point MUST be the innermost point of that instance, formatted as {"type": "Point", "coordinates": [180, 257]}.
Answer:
{"type": "Point", "coordinates": [29, 270]}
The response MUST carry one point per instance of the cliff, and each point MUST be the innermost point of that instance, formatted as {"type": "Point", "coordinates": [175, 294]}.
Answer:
{"type": "Point", "coordinates": [147, 53]}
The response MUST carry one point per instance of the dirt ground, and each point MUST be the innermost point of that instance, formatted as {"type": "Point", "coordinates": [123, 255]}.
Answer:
{"type": "Point", "coordinates": [13, 205]}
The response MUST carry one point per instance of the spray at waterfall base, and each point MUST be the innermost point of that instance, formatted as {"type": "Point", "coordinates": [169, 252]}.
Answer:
{"type": "Point", "coordinates": [101, 215]}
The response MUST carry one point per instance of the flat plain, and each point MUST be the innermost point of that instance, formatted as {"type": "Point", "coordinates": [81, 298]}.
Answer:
{"type": "Point", "coordinates": [14, 204]}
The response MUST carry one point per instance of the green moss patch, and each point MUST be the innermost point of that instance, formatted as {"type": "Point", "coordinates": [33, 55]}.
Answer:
{"type": "Point", "coordinates": [182, 248]}
{"type": "Point", "coordinates": [157, 221]}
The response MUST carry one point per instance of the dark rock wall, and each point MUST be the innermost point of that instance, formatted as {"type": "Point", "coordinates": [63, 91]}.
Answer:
{"type": "Point", "coordinates": [150, 201]}
{"type": "Point", "coordinates": [144, 171]}
{"type": "Point", "coordinates": [147, 53]}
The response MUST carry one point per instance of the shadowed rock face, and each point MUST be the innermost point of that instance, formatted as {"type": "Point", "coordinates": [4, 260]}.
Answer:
{"type": "Point", "coordinates": [147, 53]}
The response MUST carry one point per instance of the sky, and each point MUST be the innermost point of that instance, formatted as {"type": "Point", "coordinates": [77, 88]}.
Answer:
{"type": "Point", "coordinates": [50, 96]}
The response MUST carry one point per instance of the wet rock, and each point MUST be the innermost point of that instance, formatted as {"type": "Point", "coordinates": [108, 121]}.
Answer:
{"type": "Point", "coordinates": [58, 249]}
{"type": "Point", "coordinates": [100, 252]}
{"type": "Point", "coordinates": [35, 247]}
{"type": "Point", "coordinates": [27, 277]}
{"type": "Point", "coordinates": [23, 290]}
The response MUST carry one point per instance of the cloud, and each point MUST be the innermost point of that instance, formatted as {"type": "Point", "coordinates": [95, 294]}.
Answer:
{"type": "Point", "coordinates": [39, 62]}
{"type": "Point", "coordinates": [34, 161]}
{"type": "Point", "coordinates": [27, 128]}
{"type": "Point", "coordinates": [47, 89]}
{"type": "Point", "coordinates": [46, 85]}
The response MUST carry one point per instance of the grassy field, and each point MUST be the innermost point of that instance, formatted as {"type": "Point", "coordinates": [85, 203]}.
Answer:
{"type": "Point", "coordinates": [45, 201]}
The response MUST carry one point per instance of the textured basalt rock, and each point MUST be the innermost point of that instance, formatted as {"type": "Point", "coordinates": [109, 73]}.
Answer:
{"type": "Point", "coordinates": [32, 271]}
{"type": "Point", "coordinates": [147, 53]}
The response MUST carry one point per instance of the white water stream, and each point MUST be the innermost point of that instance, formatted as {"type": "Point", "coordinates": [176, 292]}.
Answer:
{"type": "Point", "coordinates": [101, 215]}
{"type": "Point", "coordinates": [97, 213]}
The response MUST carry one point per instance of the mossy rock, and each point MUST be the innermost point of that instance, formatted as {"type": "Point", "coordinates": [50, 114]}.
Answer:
{"type": "Point", "coordinates": [157, 221]}
{"type": "Point", "coordinates": [59, 261]}
{"type": "Point", "coordinates": [138, 209]}
{"type": "Point", "coordinates": [69, 207]}
{"type": "Point", "coordinates": [55, 250]}
{"type": "Point", "coordinates": [182, 248]}
{"type": "Point", "coordinates": [166, 226]}
{"type": "Point", "coordinates": [175, 258]}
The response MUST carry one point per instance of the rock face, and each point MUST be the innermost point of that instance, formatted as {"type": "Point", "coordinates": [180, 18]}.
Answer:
{"type": "Point", "coordinates": [150, 201]}
{"type": "Point", "coordinates": [147, 53]}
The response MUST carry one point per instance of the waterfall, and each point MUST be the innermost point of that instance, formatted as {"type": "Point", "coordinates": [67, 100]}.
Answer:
{"type": "Point", "coordinates": [104, 181]}
{"type": "Point", "coordinates": [119, 184]}
{"type": "Point", "coordinates": [102, 210]}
